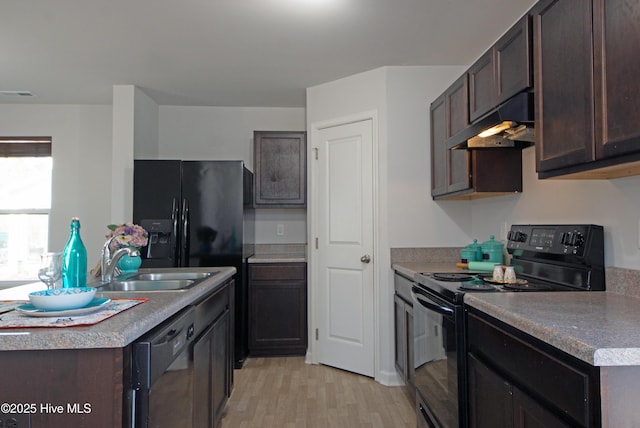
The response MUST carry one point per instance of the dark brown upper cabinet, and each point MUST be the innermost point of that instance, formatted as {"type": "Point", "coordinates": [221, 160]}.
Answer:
{"type": "Point", "coordinates": [467, 174]}
{"type": "Point", "coordinates": [482, 85]}
{"type": "Point", "coordinates": [280, 168]}
{"type": "Point", "coordinates": [617, 89]}
{"type": "Point", "coordinates": [586, 88]}
{"type": "Point", "coordinates": [503, 71]}
{"type": "Point", "coordinates": [457, 107]}
{"type": "Point", "coordinates": [563, 83]}
{"type": "Point", "coordinates": [449, 115]}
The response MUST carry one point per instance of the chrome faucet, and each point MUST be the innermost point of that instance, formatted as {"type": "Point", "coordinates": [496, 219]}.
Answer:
{"type": "Point", "coordinates": [109, 262]}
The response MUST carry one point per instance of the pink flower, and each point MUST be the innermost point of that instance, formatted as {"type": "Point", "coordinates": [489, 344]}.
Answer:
{"type": "Point", "coordinates": [128, 235]}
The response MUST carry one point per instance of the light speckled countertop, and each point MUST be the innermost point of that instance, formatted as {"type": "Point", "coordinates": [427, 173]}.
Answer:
{"type": "Point", "coordinates": [115, 332]}
{"type": "Point", "coordinates": [600, 327]}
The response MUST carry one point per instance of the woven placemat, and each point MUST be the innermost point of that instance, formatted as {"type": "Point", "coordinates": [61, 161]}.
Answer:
{"type": "Point", "coordinates": [15, 319]}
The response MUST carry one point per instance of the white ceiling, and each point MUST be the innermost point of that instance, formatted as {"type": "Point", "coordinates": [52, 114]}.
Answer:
{"type": "Point", "coordinates": [230, 52]}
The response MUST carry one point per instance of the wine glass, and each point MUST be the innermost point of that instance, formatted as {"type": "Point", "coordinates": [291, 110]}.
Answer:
{"type": "Point", "coordinates": [50, 269]}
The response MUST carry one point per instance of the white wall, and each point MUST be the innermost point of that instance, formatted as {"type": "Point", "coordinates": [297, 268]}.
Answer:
{"type": "Point", "coordinates": [135, 136]}
{"type": "Point", "coordinates": [226, 133]}
{"type": "Point", "coordinates": [415, 220]}
{"type": "Point", "coordinates": [81, 151]}
{"type": "Point", "coordinates": [145, 126]}
{"type": "Point", "coordinates": [614, 204]}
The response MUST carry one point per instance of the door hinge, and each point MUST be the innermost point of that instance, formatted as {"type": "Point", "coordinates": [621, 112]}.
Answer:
{"type": "Point", "coordinates": [316, 243]}
{"type": "Point", "coordinates": [317, 334]}
{"type": "Point", "coordinates": [315, 149]}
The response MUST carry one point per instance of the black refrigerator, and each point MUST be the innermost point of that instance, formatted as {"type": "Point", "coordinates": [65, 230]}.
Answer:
{"type": "Point", "coordinates": [199, 213]}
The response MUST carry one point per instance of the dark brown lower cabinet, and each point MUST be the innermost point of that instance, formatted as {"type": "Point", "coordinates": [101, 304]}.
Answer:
{"type": "Point", "coordinates": [63, 388]}
{"type": "Point", "coordinates": [211, 357]}
{"type": "Point", "coordinates": [277, 309]}
{"type": "Point", "coordinates": [404, 349]}
{"type": "Point", "coordinates": [518, 381]}
{"type": "Point", "coordinates": [494, 402]}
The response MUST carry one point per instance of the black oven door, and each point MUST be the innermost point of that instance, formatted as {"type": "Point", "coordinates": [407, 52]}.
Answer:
{"type": "Point", "coordinates": [438, 347]}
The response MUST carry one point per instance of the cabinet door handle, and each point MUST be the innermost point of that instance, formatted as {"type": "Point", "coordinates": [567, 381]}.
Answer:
{"type": "Point", "coordinates": [365, 259]}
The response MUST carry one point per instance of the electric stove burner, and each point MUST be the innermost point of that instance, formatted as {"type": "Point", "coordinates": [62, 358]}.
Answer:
{"type": "Point", "coordinates": [476, 285]}
{"type": "Point", "coordinates": [452, 277]}
{"type": "Point", "coordinates": [527, 286]}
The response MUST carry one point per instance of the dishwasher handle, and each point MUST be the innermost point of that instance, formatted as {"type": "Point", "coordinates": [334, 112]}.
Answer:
{"type": "Point", "coordinates": [154, 353]}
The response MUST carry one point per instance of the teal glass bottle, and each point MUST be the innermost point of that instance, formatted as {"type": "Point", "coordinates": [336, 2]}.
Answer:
{"type": "Point", "coordinates": [74, 259]}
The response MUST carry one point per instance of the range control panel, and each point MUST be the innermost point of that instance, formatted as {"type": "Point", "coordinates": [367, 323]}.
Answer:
{"type": "Point", "coordinates": [566, 239]}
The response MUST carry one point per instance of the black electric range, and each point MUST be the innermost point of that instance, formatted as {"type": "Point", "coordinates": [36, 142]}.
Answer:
{"type": "Point", "coordinates": [545, 257]}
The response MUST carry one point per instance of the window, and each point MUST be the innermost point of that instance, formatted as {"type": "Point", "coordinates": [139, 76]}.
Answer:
{"type": "Point", "coordinates": [25, 203]}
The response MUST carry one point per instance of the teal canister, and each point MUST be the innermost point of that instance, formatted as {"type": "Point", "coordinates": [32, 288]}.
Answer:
{"type": "Point", "coordinates": [471, 253]}
{"type": "Point", "coordinates": [492, 250]}
{"type": "Point", "coordinates": [74, 258]}
{"type": "Point", "coordinates": [477, 248]}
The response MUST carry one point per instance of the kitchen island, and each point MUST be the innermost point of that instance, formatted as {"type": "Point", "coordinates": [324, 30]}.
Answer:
{"type": "Point", "coordinates": [599, 328]}
{"type": "Point", "coordinates": [78, 376]}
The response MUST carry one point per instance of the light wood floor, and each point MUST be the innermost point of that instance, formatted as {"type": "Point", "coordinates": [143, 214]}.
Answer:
{"type": "Point", "coordinates": [285, 392]}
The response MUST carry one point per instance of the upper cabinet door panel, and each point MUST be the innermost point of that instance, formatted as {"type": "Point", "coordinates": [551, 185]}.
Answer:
{"type": "Point", "coordinates": [563, 78]}
{"type": "Point", "coordinates": [457, 105]}
{"type": "Point", "coordinates": [482, 85]}
{"type": "Point", "coordinates": [617, 65]}
{"type": "Point", "coordinates": [503, 71]}
{"type": "Point", "coordinates": [513, 60]}
{"type": "Point", "coordinates": [280, 168]}
{"type": "Point", "coordinates": [438, 147]}
{"type": "Point", "coordinates": [459, 170]}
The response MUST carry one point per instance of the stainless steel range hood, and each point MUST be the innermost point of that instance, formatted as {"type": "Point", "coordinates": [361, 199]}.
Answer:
{"type": "Point", "coordinates": [508, 125]}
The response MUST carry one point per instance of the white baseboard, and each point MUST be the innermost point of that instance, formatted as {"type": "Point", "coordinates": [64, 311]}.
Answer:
{"type": "Point", "coordinates": [388, 378]}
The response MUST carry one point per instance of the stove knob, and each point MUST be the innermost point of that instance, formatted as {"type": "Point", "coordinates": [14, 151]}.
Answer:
{"type": "Point", "coordinates": [517, 236]}
{"type": "Point", "coordinates": [572, 239]}
{"type": "Point", "coordinates": [577, 239]}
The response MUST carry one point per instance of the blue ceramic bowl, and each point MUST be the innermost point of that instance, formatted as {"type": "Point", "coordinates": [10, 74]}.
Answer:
{"type": "Point", "coordinates": [60, 299]}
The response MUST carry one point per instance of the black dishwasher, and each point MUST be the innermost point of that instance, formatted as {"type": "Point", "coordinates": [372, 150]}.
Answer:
{"type": "Point", "coordinates": [182, 371]}
{"type": "Point", "coordinates": [162, 391]}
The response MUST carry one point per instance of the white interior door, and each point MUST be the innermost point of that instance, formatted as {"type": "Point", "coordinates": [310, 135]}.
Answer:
{"type": "Point", "coordinates": [345, 336]}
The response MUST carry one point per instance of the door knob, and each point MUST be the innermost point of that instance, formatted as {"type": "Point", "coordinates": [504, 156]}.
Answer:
{"type": "Point", "coordinates": [365, 259]}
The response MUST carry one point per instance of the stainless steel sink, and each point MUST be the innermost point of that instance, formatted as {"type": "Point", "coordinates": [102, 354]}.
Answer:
{"type": "Point", "coordinates": [163, 276]}
{"type": "Point", "coordinates": [156, 281]}
{"type": "Point", "coordinates": [148, 285]}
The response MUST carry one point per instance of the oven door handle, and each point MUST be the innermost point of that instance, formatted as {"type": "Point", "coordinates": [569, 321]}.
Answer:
{"type": "Point", "coordinates": [430, 304]}
{"type": "Point", "coordinates": [425, 416]}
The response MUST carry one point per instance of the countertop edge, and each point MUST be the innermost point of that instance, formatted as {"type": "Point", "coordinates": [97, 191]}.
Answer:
{"type": "Point", "coordinates": [119, 330]}
{"type": "Point", "coordinates": [565, 343]}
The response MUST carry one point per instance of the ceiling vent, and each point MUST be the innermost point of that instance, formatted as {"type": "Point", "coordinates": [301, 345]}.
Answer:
{"type": "Point", "coordinates": [16, 94]}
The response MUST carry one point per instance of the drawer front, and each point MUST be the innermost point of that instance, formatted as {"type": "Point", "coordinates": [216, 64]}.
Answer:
{"type": "Point", "coordinates": [403, 288]}
{"type": "Point", "coordinates": [209, 309]}
{"type": "Point", "coordinates": [558, 383]}
{"type": "Point", "coordinates": [278, 272]}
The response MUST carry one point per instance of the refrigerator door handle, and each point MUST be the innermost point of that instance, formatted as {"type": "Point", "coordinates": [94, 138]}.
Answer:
{"type": "Point", "coordinates": [185, 233]}
{"type": "Point", "coordinates": [175, 212]}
